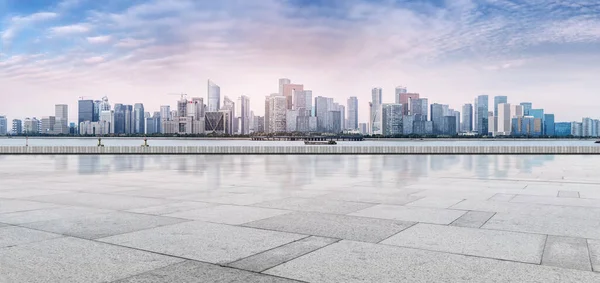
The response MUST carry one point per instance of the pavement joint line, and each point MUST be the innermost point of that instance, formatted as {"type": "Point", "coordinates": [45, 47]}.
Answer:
{"type": "Point", "coordinates": [587, 246]}
{"type": "Point", "coordinates": [466, 255]}
{"type": "Point", "coordinates": [271, 249]}
{"type": "Point", "coordinates": [544, 249]}
{"type": "Point", "coordinates": [286, 261]}
{"type": "Point", "coordinates": [485, 222]}
{"type": "Point", "coordinates": [410, 226]}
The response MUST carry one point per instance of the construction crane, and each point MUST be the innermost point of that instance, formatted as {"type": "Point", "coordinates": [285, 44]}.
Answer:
{"type": "Point", "coordinates": [183, 95]}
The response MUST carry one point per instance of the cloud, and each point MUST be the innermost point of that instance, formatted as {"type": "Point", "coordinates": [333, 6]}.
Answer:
{"type": "Point", "coordinates": [94, 60]}
{"type": "Point", "coordinates": [99, 39]}
{"type": "Point", "coordinates": [70, 29]}
{"type": "Point", "coordinates": [16, 23]}
{"type": "Point", "coordinates": [132, 42]}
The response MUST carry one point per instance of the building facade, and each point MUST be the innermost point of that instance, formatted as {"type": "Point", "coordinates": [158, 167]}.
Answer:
{"type": "Point", "coordinates": [214, 97]}
{"type": "Point", "coordinates": [467, 118]}
{"type": "Point", "coordinates": [391, 118]}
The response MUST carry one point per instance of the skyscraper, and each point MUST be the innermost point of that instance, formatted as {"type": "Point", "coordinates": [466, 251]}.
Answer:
{"type": "Point", "coordinates": [283, 82]}
{"type": "Point", "coordinates": [17, 127]}
{"type": "Point", "coordinates": [467, 118]}
{"type": "Point", "coordinates": [481, 114]}
{"type": "Point", "coordinates": [375, 111]}
{"type": "Point", "coordinates": [321, 110]}
{"type": "Point", "coordinates": [139, 119]}
{"type": "Point", "coordinates": [214, 97]}
{"type": "Point", "coordinates": [119, 118]}
{"type": "Point", "coordinates": [277, 106]}
{"type": "Point", "coordinates": [242, 114]}
{"type": "Point", "coordinates": [498, 100]}
{"type": "Point", "coordinates": [398, 91]}
{"type": "Point", "coordinates": [391, 119]}
{"type": "Point", "coordinates": [549, 129]}
{"type": "Point", "coordinates": [288, 92]}
{"type": "Point", "coordinates": [352, 113]}
{"type": "Point", "coordinates": [165, 112]}
{"type": "Point", "coordinates": [526, 107]}
{"type": "Point", "coordinates": [419, 109]}
{"type": "Point", "coordinates": [504, 119]}
{"type": "Point", "coordinates": [86, 111]}
{"type": "Point", "coordinates": [437, 117]}
{"type": "Point", "coordinates": [405, 98]}
{"type": "Point", "coordinates": [3, 125]}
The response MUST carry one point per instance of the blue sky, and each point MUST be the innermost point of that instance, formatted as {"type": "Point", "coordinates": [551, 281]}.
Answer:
{"type": "Point", "coordinates": [544, 51]}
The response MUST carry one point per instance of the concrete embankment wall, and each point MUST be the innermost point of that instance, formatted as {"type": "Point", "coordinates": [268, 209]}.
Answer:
{"type": "Point", "coordinates": [311, 149]}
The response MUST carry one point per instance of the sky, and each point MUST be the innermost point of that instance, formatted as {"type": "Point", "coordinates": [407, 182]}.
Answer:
{"type": "Point", "coordinates": [450, 51]}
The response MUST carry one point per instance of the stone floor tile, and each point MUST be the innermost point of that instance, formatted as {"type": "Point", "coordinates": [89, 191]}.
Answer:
{"type": "Point", "coordinates": [333, 226]}
{"type": "Point", "coordinates": [193, 271]}
{"type": "Point", "coordinates": [502, 197]}
{"type": "Point", "coordinates": [567, 252]}
{"type": "Point", "coordinates": [229, 214]}
{"type": "Point", "coordinates": [557, 201]}
{"type": "Point", "coordinates": [47, 214]}
{"type": "Point", "coordinates": [413, 214]}
{"type": "Point", "coordinates": [154, 192]}
{"type": "Point", "coordinates": [550, 211]}
{"type": "Point", "coordinates": [74, 260]}
{"type": "Point", "coordinates": [350, 262]}
{"type": "Point", "coordinates": [512, 246]}
{"type": "Point", "coordinates": [268, 259]}
{"type": "Point", "coordinates": [10, 205]}
{"type": "Point", "coordinates": [435, 202]}
{"type": "Point", "coordinates": [106, 201]}
{"type": "Point", "coordinates": [203, 241]}
{"type": "Point", "coordinates": [315, 205]}
{"type": "Point", "coordinates": [172, 207]}
{"type": "Point", "coordinates": [103, 225]}
{"type": "Point", "coordinates": [376, 198]}
{"type": "Point", "coordinates": [13, 236]}
{"type": "Point", "coordinates": [568, 194]}
{"type": "Point", "coordinates": [557, 226]}
{"type": "Point", "coordinates": [473, 219]}
{"type": "Point", "coordinates": [23, 193]}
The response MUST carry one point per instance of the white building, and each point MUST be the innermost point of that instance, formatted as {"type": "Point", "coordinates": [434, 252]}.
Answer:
{"type": "Point", "coordinates": [504, 119]}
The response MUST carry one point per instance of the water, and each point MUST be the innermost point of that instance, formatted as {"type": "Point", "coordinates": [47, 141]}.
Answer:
{"type": "Point", "coordinates": [231, 142]}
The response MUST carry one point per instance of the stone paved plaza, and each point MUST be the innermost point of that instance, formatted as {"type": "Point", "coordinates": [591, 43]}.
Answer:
{"type": "Point", "coordinates": [299, 218]}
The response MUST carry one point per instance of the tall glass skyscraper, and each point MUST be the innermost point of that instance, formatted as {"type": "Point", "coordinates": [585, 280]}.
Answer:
{"type": "Point", "coordinates": [526, 107]}
{"type": "Point", "coordinates": [375, 111]}
{"type": "Point", "coordinates": [391, 119]}
{"type": "Point", "coordinates": [467, 118]}
{"type": "Point", "coordinates": [352, 113]}
{"type": "Point", "coordinates": [139, 120]}
{"type": "Point", "coordinates": [498, 100]}
{"type": "Point", "coordinates": [86, 111]}
{"type": "Point", "coordinates": [481, 114]}
{"type": "Point", "coordinates": [214, 97]}
{"type": "Point", "coordinates": [549, 125]}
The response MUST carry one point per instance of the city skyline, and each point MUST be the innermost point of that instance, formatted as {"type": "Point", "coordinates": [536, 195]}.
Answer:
{"type": "Point", "coordinates": [448, 51]}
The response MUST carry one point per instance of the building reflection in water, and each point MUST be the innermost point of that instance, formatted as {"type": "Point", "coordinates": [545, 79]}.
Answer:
{"type": "Point", "coordinates": [289, 170]}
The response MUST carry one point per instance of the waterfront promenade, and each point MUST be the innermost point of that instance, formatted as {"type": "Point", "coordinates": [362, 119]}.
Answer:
{"type": "Point", "coordinates": [299, 218]}
{"type": "Point", "coordinates": [347, 149]}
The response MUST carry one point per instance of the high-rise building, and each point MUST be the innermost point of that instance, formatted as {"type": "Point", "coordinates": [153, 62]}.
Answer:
{"type": "Point", "coordinates": [405, 99]}
{"type": "Point", "coordinates": [391, 119]}
{"type": "Point", "coordinates": [549, 125]}
{"type": "Point", "coordinates": [165, 112]}
{"type": "Point", "coordinates": [288, 92]}
{"type": "Point", "coordinates": [86, 111]}
{"type": "Point", "coordinates": [481, 114]}
{"type": "Point", "coordinates": [437, 117]}
{"type": "Point", "coordinates": [283, 82]}
{"type": "Point", "coordinates": [3, 125]}
{"type": "Point", "coordinates": [215, 122]}
{"type": "Point", "coordinates": [526, 107]}
{"type": "Point", "coordinates": [375, 111]}
{"type": "Point", "coordinates": [419, 109]}
{"type": "Point", "coordinates": [586, 127]}
{"type": "Point", "coordinates": [153, 124]}
{"type": "Point", "coordinates": [562, 129]}
{"type": "Point", "coordinates": [576, 129]}
{"type": "Point", "coordinates": [17, 126]}
{"type": "Point", "coordinates": [97, 110]}
{"type": "Point", "coordinates": [352, 113]}
{"type": "Point", "coordinates": [31, 126]}
{"type": "Point", "coordinates": [119, 118]}
{"type": "Point", "coordinates": [139, 118]}
{"type": "Point", "coordinates": [47, 125]}
{"type": "Point", "coordinates": [129, 119]}
{"type": "Point", "coordinates": [214, 97]}
{"type": "Point", "coordinates": [276, 108]}
{"type": "Point", "coordinates": [516, 111]}
{"type": "Point", "coordinates": [242, 114]}
{"type": "Point", "coordinates": [504, 119]}
{"type": "Point", "coordinates": [498, 100]}
{"type": "Point", "coordinates": [456, 128]}
{"type": "Point", "coordinates": [467, 118]}
{"type": "Point", "coordinates": [322, 107]}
